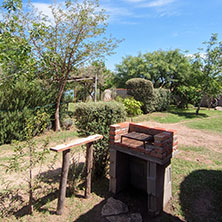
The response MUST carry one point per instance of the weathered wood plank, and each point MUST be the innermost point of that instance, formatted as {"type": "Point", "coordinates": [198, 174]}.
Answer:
{"type": "Point", "coordinates": [76, 142]}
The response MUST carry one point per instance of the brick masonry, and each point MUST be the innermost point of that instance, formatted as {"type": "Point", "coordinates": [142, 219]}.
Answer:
{"type": "Point", "coordinates": [165, 141]}
{"type": "Point", "coordinates": [148, 168]}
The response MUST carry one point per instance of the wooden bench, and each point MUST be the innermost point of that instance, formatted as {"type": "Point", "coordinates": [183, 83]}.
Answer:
{"type": "Point", "coordinates": [65, 149]}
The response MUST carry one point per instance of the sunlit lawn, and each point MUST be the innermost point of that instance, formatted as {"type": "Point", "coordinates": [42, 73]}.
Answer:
{"type": "Point", "coordinates": [195, 171]}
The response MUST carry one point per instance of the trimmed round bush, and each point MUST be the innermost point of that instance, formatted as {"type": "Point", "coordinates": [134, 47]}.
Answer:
{"type": "Point", "coordinates": [142, 90]}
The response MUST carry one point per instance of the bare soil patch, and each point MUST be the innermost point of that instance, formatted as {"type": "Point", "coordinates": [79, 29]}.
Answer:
{"type": "Point", "coordinates": [192, 137]}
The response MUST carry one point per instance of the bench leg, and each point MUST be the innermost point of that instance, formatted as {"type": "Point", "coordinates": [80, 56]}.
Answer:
{"type": "Point", "coordinates": [63, 181]}
{"type": "Point", "coordinates": [89, 166]}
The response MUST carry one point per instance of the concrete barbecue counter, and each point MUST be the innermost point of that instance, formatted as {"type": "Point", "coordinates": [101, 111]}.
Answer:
{"type": "Point", "coordinates": [140, 157]}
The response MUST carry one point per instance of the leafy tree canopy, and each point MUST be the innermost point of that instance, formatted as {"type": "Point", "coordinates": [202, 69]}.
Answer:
{"type": "Point", "coordinates": [74, 34]}
{"type": "Point", "coordinates": [167, 69]}
{"type": "Point", "coordinates": [207, 65]}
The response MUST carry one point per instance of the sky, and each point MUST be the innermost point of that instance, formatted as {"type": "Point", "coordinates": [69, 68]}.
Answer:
{"type": "Point", "coordinates": [149, 25]}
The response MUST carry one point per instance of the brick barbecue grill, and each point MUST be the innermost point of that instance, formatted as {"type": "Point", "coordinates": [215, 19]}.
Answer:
{"type": "Point", "coordinates": [140, 156]}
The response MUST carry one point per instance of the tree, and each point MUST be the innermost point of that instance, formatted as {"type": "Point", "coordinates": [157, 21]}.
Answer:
{"type": "Point", "coordinates": [208, 67]}
{"type": "Point", "coordinates": [131, 67]}
{"type": "Point", "coordinates": [73, 36]}
{"type": "Point", "coordinates": [16, 59]}
{"type": "Point", "coordinates": [21, 93]}
{"type": "Point", "coordinates": [168, 69]}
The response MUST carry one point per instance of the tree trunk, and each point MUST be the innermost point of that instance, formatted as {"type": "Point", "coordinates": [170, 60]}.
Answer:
{"type": "Point", "coordinates": [198, 108]}
{"type": "Point", "coordinates": [57, 120]}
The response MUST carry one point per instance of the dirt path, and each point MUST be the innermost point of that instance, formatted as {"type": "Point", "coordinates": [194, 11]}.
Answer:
{"type": "Point", "coordinates": [193, 137]}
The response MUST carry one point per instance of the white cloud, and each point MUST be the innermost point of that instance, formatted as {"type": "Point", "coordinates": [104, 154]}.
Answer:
{"type": "Point", "coordinates": [117, 13]}
{"type": "Point", "coordinates": [134, 1]}
{"type": "Point", "coordinates": [157, 3]}
{"type": "Point", "coordinates": [160, 7]}
{"type": "Point", "coordinates": [44, 8]}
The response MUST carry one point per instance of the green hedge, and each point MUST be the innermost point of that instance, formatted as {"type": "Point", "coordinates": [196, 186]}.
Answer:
{"type": "Point", "coordinates": [96, 118]}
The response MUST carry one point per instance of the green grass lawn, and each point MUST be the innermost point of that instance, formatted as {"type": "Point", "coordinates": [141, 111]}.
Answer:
{"type": "Point", "coordinates": [196, 177]}
{"type": "Point", "coordinates": [174, 115]}
{"type": "Point", "coordinates": [210, 120]}
{"type": "Point", "coordinates": [211, 124]}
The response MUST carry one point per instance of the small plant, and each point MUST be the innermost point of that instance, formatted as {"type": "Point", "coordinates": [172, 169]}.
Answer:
{"type": "Point", "coordinates": [132, 106]}
{"type": "Point", "coordinates": [76, 171]}
{"type": "Point", "coordinates": [26, 156]}
{"type": "Point", "coordinates": [67, 124]}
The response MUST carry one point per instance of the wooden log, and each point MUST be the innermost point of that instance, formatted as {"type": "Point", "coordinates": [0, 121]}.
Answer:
{"type": "Point", "coordinates": [89, 166]}
{"type": "Point", "coordinates": [63, 181]}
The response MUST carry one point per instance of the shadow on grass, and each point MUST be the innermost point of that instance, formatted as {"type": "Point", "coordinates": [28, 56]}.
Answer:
{"type": "Point", "coordinates": [135, 200]}
{"type": "Point", "coordinates": [200, 200]}
{"type": "Point", "coordinates": [186, 115]}
{"type": "Point", "coordinates": [201, 195]}
{"type": "Point", "coordinates": [51, 179]}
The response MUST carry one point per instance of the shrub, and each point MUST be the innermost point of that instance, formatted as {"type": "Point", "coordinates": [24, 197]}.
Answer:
{"type": "Point", "coordinates": [183, 95]}
{"type": "Point", "coordinates": [162, 99]}
{"type": "Point", "coordinates": [132, 106]}
{"type": "Point", "coordinates": [67, 123]}
{"type": "Point", "coordinates": [18, 102]}
{"type": "Point", "coordinates": [142, 90]}
{"type": "Point", "coordinates": [92, 118]}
